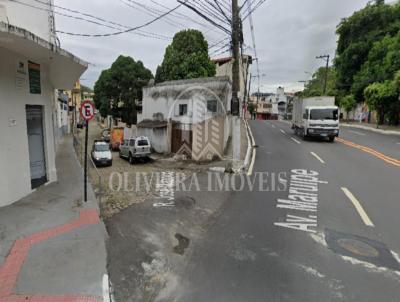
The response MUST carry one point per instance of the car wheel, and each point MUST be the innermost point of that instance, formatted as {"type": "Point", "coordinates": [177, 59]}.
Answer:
{"type": "Point", "coordinates": [332, 139]}
{"type": "Point", "coordinates": [120, 154]}
{"type": "Point", "coordinates": [131, 159]}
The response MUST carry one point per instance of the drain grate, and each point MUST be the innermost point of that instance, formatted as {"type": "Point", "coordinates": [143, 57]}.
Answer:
{"type": "Point", "coordinates": [361, 248]}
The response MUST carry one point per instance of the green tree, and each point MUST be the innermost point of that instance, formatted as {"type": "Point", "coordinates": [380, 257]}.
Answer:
{"type": "Point", "coordinates": [119, 88]}
{"type": "Point", "coordinates": [315, 87]}
{"type": "Point", "coordinates": [382, 63]}
{"type": "Point", "coordinates": [251, 107]}
{"type": "Point", "coordinates": [357, 34]}
{"type": "Point", "coordinates": [186, 58]}
{"type": "Point", "coordinates": [379, 97]}
{"type": "Point", "coordinates": [348, 103]}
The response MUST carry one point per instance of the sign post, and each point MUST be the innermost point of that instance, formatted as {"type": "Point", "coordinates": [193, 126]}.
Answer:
{"type": "Point", "coordinates": [87, 113]}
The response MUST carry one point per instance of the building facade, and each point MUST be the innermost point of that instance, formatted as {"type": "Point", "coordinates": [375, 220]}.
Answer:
{"type": "Point", "coordinates": [189, 116]}
{"type": "Point", "coordinates": [32, 66]}
{"type": "Point", "coordinates": [224, 68]}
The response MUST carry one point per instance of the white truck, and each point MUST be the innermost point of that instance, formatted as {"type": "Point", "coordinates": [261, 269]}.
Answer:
{"type": "Point", "coordinates": [316, 117]}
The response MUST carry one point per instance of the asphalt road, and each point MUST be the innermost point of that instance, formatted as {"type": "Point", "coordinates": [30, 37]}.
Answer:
{"type": "Point", "coordinates": [342, 246]}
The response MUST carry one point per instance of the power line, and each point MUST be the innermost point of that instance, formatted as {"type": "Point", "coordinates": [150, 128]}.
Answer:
{"type": "Point", "coordinates": [195, 9]}
{"type": "Point", "coordinates": [182, 16]}
{"type": "Point", "coordinates": [253, 37]}
{"type": "Point", "coordinates": [259, 3]}
{"type": "Point", "coordinates": [139, 32]}
{"type": "Point", "coordinates": [127, 30]}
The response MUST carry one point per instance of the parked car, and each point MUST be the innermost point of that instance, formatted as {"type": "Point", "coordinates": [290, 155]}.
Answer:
{"type": "Point", "coordinates": [134, 148]}
{"type": "Point", "coordinates": [101, 154]}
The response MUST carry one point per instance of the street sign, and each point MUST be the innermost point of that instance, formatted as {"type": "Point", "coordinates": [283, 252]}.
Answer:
{"type": "Point", "coordinates": [87, 110]}
{"type": "Point", "coordinates": [87, 113]}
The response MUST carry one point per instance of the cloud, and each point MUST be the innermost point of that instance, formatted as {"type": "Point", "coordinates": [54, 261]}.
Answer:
{"type": "Point", "coordinates": [289, 35]}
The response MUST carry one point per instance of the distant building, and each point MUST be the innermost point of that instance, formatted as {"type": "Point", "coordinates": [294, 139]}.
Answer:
{"type": "Point", "coordinates": [271, 106]}
{"type": "Point", "coordinates": [32, 66]}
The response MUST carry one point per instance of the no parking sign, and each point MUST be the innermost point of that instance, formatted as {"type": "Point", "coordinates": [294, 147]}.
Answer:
{"type": "Point", "coordinates": [87, 110]}
{"type": "Point", "coordinates": [87, 113]}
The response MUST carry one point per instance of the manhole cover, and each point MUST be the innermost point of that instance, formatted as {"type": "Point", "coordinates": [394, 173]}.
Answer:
{"type": "Point", "coordinates": [361, 248]}
{"type": "Point", "coordinates": [358, 247]}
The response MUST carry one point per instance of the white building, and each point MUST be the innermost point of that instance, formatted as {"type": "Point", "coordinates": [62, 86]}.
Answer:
{"type": "Point", "coordinates": [32, 66]}
{"type": "Point", "coordinates": [179, 112]}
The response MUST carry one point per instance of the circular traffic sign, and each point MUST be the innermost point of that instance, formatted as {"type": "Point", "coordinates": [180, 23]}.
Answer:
{"type": "Point", "coordinates": [87, 110]}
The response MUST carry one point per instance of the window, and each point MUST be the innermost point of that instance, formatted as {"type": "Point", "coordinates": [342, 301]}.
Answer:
{"type": "Point", "coordinates": [324, 114]}
{"type": "Point", "coordinates": [212, 106]}
{"type": "Point", "coordinates": [142, 143]}
{"type": "Point", "coordinates": [305, 115]}
{"type": "Point", "coordinates": [183, 108]}
{"type": "Point", "coordinates": [101, 147]}
{"type": "Point", "coordinates": [132, 143]}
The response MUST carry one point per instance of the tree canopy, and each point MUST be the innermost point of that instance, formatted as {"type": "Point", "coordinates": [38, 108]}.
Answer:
{"type": "Point", "coordinates": [380, 97]}
{"type": "Point", "coordinates": [357, 35]}
{"type": "Point", "coordinates": [119, 88]}
{"type": "Point", "coordinates": [186, 58]}
{"type": "Point", "coordinates": [315, 87]}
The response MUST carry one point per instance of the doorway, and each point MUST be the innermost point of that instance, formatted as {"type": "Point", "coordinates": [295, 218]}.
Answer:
{"type": "Point", "coordinates": [37, 162]}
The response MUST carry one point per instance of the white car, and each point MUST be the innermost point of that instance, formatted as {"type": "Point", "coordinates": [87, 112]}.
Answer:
{"type": "Point", "coordinates": [133, 148]}
{"type": "Point", "coordinates": [101, 154]}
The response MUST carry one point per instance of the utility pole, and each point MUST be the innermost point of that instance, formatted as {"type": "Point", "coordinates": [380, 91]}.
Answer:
{"type": "Point", "coordinates": [236, 57]}
{"type": "Point", "coordinates": [327, 58]}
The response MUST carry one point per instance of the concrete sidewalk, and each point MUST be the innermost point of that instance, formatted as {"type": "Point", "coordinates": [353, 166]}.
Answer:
{"type": "Point", "coordinates": [52, 247]}
{"type": "Point", "coordinates": [388, 130]}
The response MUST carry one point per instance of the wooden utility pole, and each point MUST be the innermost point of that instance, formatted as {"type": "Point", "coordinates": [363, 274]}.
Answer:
{"type": "Point", "coordinates": [327, 58]}
{"type": "Point", "coordinates": [236, 57]}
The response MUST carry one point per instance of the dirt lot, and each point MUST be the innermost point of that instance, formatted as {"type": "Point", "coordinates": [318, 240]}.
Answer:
{"type": "Point", "coordinates": [122, 185]}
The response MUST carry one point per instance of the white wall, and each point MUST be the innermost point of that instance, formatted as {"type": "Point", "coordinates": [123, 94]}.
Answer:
{"type": "Point", "coordinates": [31, 19]}
{"type": "Point", "coordinates": [15, 181]}
{"type": "Point", "coordinates": [158, 138]}
{"type": "Point", "coordinates": [163, 100]}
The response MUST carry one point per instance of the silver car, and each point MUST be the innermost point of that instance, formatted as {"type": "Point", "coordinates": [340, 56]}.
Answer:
{"type": "Point", "coordinates": [134, 148]}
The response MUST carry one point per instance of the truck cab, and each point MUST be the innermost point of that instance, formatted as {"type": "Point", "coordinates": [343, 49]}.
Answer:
{"type": "Point", "coordinates": [316, 117]}
{"type": "Point", "coordinates": [321, 122]}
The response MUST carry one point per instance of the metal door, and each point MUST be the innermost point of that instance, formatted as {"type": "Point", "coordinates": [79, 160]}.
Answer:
{"type": "Point", "coordinates": [34, 121]}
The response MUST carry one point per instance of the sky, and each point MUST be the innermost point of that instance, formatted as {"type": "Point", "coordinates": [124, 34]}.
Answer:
{"type": "Point", "coordinates": [289, 35]}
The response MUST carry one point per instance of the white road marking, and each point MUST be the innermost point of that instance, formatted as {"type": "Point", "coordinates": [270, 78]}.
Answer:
{"type": "Point", "coordinates": [295, 140]}
{"type": "Point", "coordinates": [398, 143]}
{"type": "Point", "coordinates": [317, 157]}
{"type": "Point", "coordinates": [253, 159]}
{"type": "Point", "coordinates": [273, 126]}
{"type": "Point", "coordinates": [106, 289]}
{"type": "Point", "coordinates": [356, 132]}
{"type": "Point", "coordinates": [358, 207]}
{"type": "Point", "coordinates": [283, 131]}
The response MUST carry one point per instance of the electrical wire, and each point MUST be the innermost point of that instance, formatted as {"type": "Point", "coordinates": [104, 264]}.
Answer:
{"type": "Point", "coordinates": [127, 30]}
{"type": "Point", "coordinates": [139, 32]}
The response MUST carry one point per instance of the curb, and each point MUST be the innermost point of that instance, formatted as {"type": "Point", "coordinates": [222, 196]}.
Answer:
{"type": "Point", "coordinates": [385, 132]}
{"type": "Point", "coordinates": [251, 152]}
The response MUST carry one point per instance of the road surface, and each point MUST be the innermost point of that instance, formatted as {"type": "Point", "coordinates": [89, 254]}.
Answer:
{"type": "Point", "coordinates": [342, 244]}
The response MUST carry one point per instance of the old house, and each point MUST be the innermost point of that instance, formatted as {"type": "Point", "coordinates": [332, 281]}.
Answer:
{"type": "Point", "coordinates": [191, 117]}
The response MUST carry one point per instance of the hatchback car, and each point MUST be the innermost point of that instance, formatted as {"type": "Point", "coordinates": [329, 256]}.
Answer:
{"type": "Point", "coordinates": [101, 154]}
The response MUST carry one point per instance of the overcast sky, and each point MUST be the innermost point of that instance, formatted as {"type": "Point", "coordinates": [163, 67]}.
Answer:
{"type": "Point", "coordinates": [289, 35]}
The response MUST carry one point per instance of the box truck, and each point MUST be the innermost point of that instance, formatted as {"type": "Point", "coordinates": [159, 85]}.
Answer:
{"type": "Point", "coordinates": [316, 117]}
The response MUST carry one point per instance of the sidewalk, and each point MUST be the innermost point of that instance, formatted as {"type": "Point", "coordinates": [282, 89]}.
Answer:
{"type": "Point", "coordinates": [383, 129]}
{"type": "Point", "coordinates": [51, 245]}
